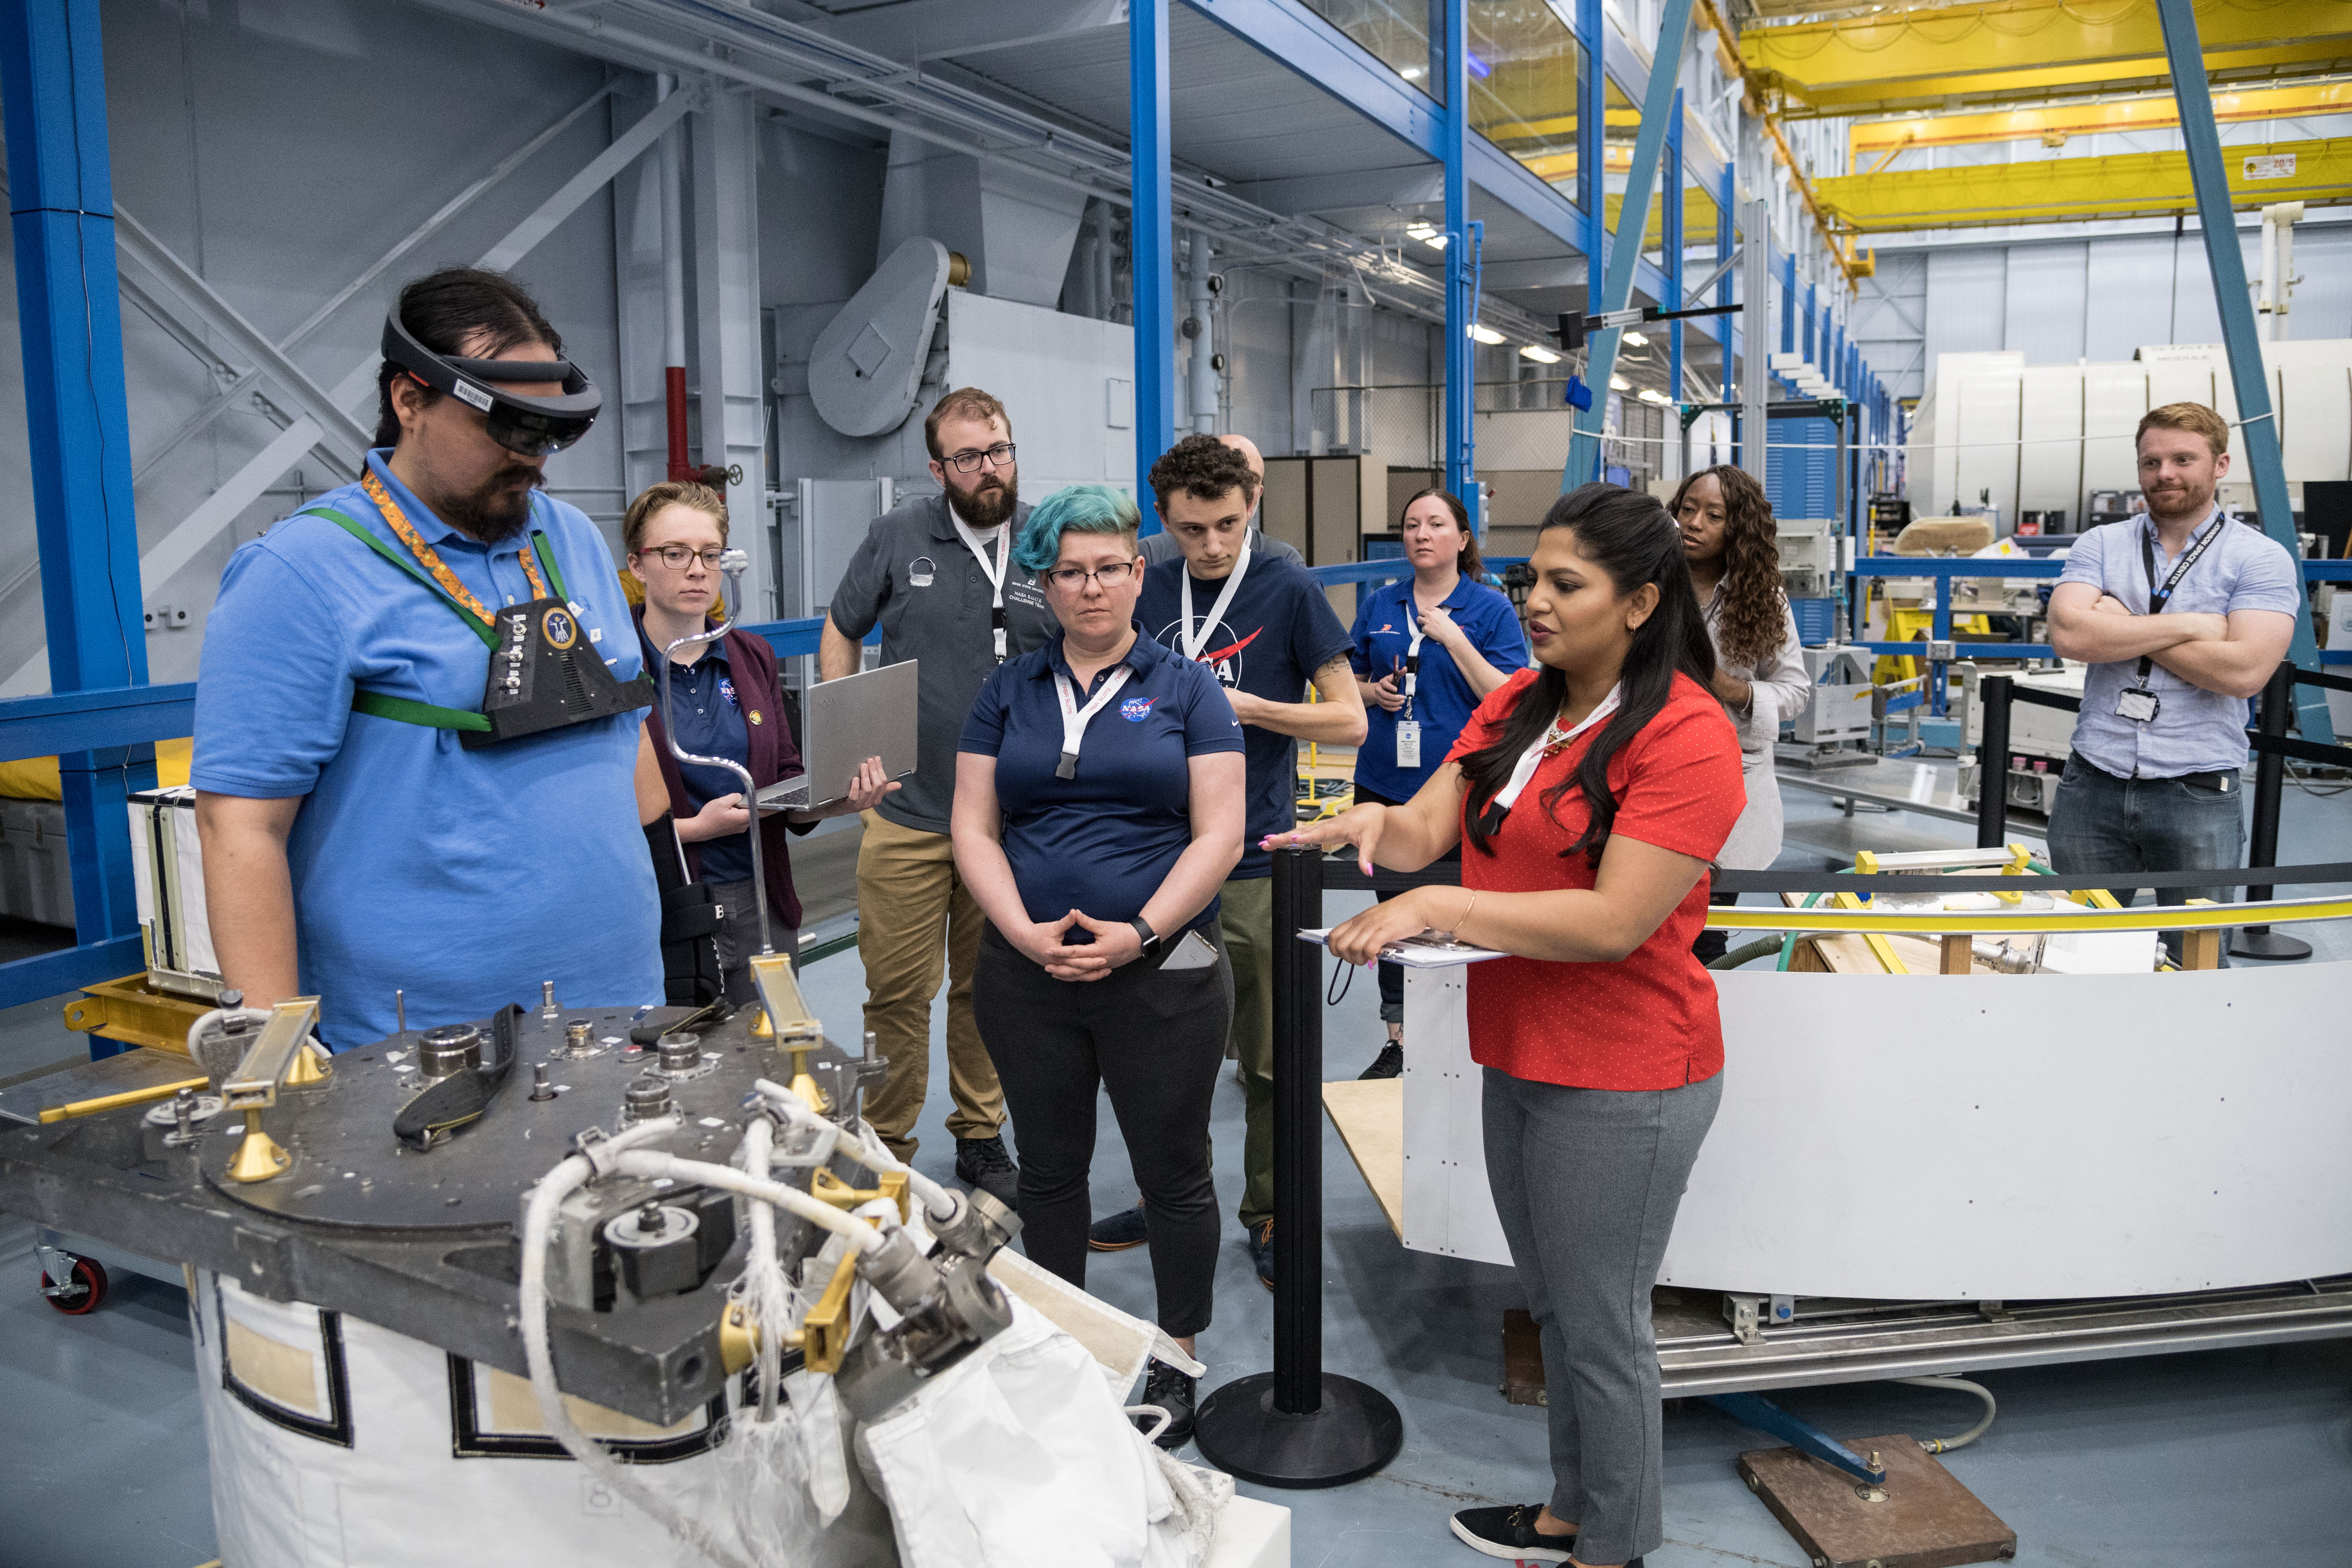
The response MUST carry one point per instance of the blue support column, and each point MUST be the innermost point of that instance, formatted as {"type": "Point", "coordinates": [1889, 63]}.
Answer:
{"type": "Point", "coordinates": [1726, 235]}
{"type": "Point", "coordinates": [61, 213]}
{"type": "Point", "coordinates": [1789, 303]}
{"type": "Point", "coordinates": [1151, 245]}
{"type": "Point", "coordinates": [1460, 272]}
{"type": "Point", "coordinates": [2258, 431]}
{"type": "Point", "coordinates": [1625, 249]}
{"type": "Point", "coordinates": [1591, 141]}
{"type": "Point", "coordinates": [1670, 233]}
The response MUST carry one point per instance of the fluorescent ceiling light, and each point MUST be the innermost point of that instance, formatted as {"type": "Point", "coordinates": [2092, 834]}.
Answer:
{"type": "Point", "coordinates": [1639, 339]}
{"type": "Point", "coordinates": [1538, 353]}
{"type": "Point", "coordinates": [1426, 235]}
{"type": "Point", "coordinates": [1619, 384]}
{"type": "Point", "coordinates": [1485, 333]}
{"type": "Point", "coordinates": [1652, 394]}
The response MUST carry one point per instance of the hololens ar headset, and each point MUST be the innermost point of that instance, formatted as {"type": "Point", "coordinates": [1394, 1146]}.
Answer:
{"type": "Point", "coordinates": [533, 426]}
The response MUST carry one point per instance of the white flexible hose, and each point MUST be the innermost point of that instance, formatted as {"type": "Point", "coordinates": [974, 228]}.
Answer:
{"type": "Point", "coordinates": [653, 1166]}
{"type": "Point", "coordinates": [761, 1274]}
{"type": "Point", "coordinates": [864, 1146]}
{"type": "Point", "coordinates": [1956, 1386]}
{"type": "Point", "coordinates": [539, 1222]}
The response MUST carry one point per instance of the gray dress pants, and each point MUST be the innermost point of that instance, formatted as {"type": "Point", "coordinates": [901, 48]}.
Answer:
{"type": "Point", "coordinates": [1587, 1181]}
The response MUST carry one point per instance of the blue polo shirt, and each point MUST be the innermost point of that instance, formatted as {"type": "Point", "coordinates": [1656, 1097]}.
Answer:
{"type": "Point", "coordinates": [709, 716]}
{"type": "Point", "coordinates": [465, 878]}
{"type": "Point", "coordinates": [1443, 700]}
{"type": "Point", "coordinates": [2194, 730]}
{"type": "Point", "coordinates": [1278, 631]}
{"type": "Point", "coordinates": [1104, 841]}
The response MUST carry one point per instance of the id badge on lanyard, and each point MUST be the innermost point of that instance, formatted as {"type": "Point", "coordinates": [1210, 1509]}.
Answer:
{"type": "Point", "coordinates": [1407, 730]}
{"type": "Point", "coordinates": [1408, 743]}
{"type": "Point", "coordinates": [2138, 704]}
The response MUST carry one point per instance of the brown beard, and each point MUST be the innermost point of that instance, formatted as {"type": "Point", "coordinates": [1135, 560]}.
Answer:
{"type": "Point", "coordinates": [989, 503]}
{"type": "Point", "coordinates": [493, 514]}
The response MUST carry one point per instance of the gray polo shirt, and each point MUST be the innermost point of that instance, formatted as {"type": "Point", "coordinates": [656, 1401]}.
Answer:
{"type": "Point", "coordinates": [944, 622]}
{"type": "Point", "coordinates": [2194, 730]}
{"type": "Point", "coordinates": [1162, 546]}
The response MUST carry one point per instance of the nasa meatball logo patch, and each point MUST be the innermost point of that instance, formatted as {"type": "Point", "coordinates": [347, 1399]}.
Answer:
{"type": "Point", "coordinates": [1136, 709]}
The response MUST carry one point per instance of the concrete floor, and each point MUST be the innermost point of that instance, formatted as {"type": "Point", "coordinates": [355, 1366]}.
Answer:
{"type": "Point", "coordinates": [2239, 1458]}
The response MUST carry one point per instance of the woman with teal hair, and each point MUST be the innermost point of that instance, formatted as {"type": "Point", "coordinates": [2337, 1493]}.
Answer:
{"type": "Point", "coordinates": [1099, 803]}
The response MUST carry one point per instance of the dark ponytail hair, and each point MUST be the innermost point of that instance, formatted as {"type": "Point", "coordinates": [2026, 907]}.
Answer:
{"type": "Point", "coordinates": [1629, 536]}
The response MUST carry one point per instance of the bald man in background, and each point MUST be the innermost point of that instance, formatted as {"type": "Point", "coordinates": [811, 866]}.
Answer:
{"type": "Point", "coordinates": [1161, 546]}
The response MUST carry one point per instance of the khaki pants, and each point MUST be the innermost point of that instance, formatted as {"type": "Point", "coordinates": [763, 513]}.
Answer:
{"type": "Point", "coordinates": [1245, 918]}
{"type": "Point", "coordinates": [913, 910]}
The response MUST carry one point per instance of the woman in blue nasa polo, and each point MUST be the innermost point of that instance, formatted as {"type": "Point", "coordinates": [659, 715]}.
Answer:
{"type": "Point", "coordinates": [1099, 803]}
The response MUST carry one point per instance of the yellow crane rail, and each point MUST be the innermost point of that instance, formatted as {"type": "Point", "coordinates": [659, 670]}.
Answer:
{"type": "Point", "coordinates": [2054, 125]}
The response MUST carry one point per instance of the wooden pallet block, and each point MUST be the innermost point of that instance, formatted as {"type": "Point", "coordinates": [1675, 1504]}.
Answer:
{"type": "Point", "coordinates": [1926, 1518]}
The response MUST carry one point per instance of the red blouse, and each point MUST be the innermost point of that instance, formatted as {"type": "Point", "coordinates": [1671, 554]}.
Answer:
{"type": "Point", "coordinates": [1648, 1021]}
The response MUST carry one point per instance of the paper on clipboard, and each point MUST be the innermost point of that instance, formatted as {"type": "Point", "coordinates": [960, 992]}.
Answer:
{"type": "Point", "coordinates": [1427, 951]}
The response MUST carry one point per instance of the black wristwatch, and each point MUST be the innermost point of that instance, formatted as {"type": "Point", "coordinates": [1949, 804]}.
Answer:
{"type": "Point", "coordinates": [1151, 938]}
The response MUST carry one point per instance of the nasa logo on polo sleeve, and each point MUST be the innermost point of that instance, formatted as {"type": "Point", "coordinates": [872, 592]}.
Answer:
{"type": "Point", "coordinates": [1136, 709]}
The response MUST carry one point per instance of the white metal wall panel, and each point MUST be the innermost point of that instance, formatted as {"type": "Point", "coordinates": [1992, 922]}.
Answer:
{"type": "Point", "coordinates": [2114, 397]}
{"type": "Point", "coordinates": [1059, 367]}
{"type": "Point", "coordinates": [2049, 451]}
{"type": "Point", "coordinates": [2131, 302]}
{"type": "Point", "coordinates": [2313, 389]}
{"type": "Point", "coordinates": [1986, 433]}
{"type": "Point", "coordinates": [1966, 309]}
{"type": "Point", "coordinates": [2043, 299]}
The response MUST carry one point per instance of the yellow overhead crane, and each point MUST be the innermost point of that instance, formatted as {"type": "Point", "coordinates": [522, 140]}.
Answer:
{"type": "Point", "coordinates": [1872, 144]}
{"type": "Point", "coordinates": [1954, 56]}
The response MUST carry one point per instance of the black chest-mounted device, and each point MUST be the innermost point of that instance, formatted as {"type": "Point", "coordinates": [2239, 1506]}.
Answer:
{"type": "Point", "coordinates": [545, 675]}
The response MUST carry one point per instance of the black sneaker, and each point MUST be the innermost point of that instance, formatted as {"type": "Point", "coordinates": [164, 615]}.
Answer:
{"type": "Point", "coordinates": [1173, 1392]}
{"type": "Point", "coordinates": [1510, 1533]}
{"type": "Point", "coordinates": [983, 1164]}
{"type": "Point", "coordinates": [1118, 1232]}
{"type": "Point", "coordinates": [1390, 1063]}
{"type": "Point", "coordinates": [1261, 1245]}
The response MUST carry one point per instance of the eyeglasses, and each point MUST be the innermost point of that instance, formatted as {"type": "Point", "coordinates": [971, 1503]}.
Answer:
{"type": "Point", "coordinates": [1070, 579]}
{"type": "Point", "coordinates": [997, 456]}
{"type": "Point", "coordinates": [676, 557]}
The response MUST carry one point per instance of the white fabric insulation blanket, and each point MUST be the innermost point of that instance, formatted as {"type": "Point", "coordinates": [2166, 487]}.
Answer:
{"type": "Point", "coordinates": [338, 1444]}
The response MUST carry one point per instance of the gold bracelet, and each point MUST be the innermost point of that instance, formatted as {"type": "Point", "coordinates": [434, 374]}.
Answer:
{"type": "Point", "coordinates": [1453, 935]}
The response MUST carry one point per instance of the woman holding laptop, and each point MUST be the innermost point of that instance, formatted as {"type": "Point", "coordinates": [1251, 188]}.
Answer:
{"type": "Point", "coordinates": [728, 703]}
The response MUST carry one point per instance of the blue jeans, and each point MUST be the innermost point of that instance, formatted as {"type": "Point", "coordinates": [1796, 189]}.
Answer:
{"type": "Point", "coordinates": [2103, 823]}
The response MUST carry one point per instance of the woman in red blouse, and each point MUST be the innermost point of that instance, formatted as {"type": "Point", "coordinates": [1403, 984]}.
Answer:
{"type": "Point", "coordinates": [1593, 790]}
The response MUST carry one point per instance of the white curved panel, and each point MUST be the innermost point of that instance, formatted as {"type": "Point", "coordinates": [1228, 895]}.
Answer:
{"type": "Point", "coordinates": [1988, 1137]}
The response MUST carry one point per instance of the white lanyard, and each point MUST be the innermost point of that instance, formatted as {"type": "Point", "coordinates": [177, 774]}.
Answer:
{"type": "Point", "coordinates": [1075, 718]}
{"type": "Point", "coordinates": [1553, 737]}
{"type": "Point", "coordinates": [1191, 641]}
{"type": "Point", "coordinates": [995, 572]}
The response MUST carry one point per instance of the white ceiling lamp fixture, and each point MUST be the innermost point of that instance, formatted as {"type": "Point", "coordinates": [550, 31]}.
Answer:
{"type": "Point", "coordinates": [1619, 384]}
{"type": "Point", "coordinates": [1538, 353]}
{"type": "Point", "coordinates": [1652, 394]}
{"type": "Point", "coordinates": [1485, 333]}
{"type": "Point", "coordinates": [1426, 234]}
{"type": "Point", "coordinates": [1639, 339]}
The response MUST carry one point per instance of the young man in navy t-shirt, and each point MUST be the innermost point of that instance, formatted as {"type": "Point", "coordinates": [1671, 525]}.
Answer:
{"type": "Point", "coordinates": [1265, 629]}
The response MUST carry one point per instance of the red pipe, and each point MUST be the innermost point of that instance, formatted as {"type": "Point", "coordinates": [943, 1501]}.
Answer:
{"type": "Point", "coordinates": [681, 467]}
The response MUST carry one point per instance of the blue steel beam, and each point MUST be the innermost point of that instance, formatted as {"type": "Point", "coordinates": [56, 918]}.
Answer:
{"type": "Point", "coordinates": [1461, 295]}
{"type": "Point", "coordinates": [1726, 235]}
{"type": "Point", "coordinates": [1151, 245]}
{"type": "Point", "coordinates": [1670, 231]}
{"type": "Point", "coordinates": [1591, 162]}
{"type": "Point", "coordinates": [1755, 1410]}
{"type": "Point", "coordinates": [2258, 430]}
{"type": "Point", "coordinates": [114, 717]}
{"type": "Point", "coordinates": [69, 314]}
{"type": "Point", "coordinates": [1633, 222]}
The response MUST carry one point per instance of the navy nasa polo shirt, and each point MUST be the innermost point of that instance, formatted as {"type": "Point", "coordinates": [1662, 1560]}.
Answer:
{"type": "Point", "coordinates": [1104, 841]}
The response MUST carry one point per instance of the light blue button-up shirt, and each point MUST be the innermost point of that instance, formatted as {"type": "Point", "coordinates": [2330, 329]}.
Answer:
{"type": "Point", "coordinates": [2194, 730]}
{"type": "Point", "coordinates": [464, 878]}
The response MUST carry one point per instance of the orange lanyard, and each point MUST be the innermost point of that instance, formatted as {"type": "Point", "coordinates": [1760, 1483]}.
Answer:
{"type": "Point", "coordinates": [427, 558]}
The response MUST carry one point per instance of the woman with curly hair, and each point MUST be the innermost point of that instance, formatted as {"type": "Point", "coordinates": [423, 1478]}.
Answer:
{"type": "Point", "coordinates": [1734, 555]}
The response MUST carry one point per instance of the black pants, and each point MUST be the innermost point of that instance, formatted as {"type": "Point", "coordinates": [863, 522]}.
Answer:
{"type": "Point", "coordinates": [1710, 945]}
{"type": "Point", "coordinates": [1154, 1038]}
{"type": "Point", "coordinates": [1393, 974]}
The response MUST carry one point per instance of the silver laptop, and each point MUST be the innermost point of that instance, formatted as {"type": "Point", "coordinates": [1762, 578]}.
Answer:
{"type": "Point", "coordinates": [842, 722]}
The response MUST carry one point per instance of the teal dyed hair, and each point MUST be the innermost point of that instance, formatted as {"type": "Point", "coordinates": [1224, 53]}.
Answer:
{"type": "Point", "coordinates": [1082, 508]}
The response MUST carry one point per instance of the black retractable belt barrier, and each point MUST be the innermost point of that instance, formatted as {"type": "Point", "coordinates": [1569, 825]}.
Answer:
{"type": "Point", "coordinates": [2269, 782]}
{"type": "Point", "coordinates": [1298, 1426]}
{"type": "Point", "coordinates": [1992, 762]}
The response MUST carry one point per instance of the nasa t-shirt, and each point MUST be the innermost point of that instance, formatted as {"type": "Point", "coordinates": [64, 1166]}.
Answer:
{"type": "Point", "coordinates": [1278, 631]}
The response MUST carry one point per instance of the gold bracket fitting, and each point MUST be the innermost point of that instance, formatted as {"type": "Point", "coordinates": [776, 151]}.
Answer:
{"type": "Point", "coordinates": [889, 1185]}
{"type": "Point", "coordinates": [825, 1332]}
{"type": "Point", "coordinates": [258, 1157]}
{"type": "Point", "coordinates": [739, 1338]}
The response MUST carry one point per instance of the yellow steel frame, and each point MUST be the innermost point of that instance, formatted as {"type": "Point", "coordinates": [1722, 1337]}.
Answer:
{"type": "Point", "coordinates": [1875, 138]}
{"type": "Point", "coordinates": [2062, 188]}
{"type": "Point", "coordinates": [2020, 47]}
{"type": "Point", "coordinates": [1937, 923]}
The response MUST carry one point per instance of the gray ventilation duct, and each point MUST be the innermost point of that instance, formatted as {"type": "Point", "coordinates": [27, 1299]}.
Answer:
{"type": "Point", "coordinates": [867, 368]}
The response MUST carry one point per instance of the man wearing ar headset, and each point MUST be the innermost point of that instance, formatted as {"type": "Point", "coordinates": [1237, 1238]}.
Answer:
{"type": "Point", "coordinates": [417, 748]}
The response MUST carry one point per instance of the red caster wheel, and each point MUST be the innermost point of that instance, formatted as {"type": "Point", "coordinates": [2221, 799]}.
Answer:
{"type": "Point", "coordinates": [83, 1296]}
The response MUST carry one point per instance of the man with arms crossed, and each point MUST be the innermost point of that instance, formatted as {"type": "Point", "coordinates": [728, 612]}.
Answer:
{"type": "Point", "coordinates": [938, 574]}
{"type": "Point", "coordinates": [1265, 628]}
{"type": "Point", "coordinates": [2182, 615]}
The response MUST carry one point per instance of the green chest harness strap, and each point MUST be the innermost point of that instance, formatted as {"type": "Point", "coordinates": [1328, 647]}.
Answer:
{"type": "Point", "coordinates": [382, 704]}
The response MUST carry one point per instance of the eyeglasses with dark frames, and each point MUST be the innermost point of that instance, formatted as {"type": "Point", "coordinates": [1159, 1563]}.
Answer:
{"type": "Point", "coordinates": [676, 557]}
{"type": "Point", "coordinates": [1070, 579]}
{"type": "Point", "coordinates": [997, 456]}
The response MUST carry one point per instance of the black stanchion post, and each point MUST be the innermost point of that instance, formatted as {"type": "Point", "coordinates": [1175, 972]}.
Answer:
{"type": "Point", "coordinates": [1298, 1426]}
{"type": "Point", "coordinates": [1992, 762]}
{"type": "Point", "coordinates": [2270, 785]}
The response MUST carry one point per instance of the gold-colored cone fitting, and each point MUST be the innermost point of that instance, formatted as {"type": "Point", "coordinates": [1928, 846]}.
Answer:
{"type": "Point", "coordinates": [258, 1157]}
{"type": "Point", "coordinates": [310, 1066]}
